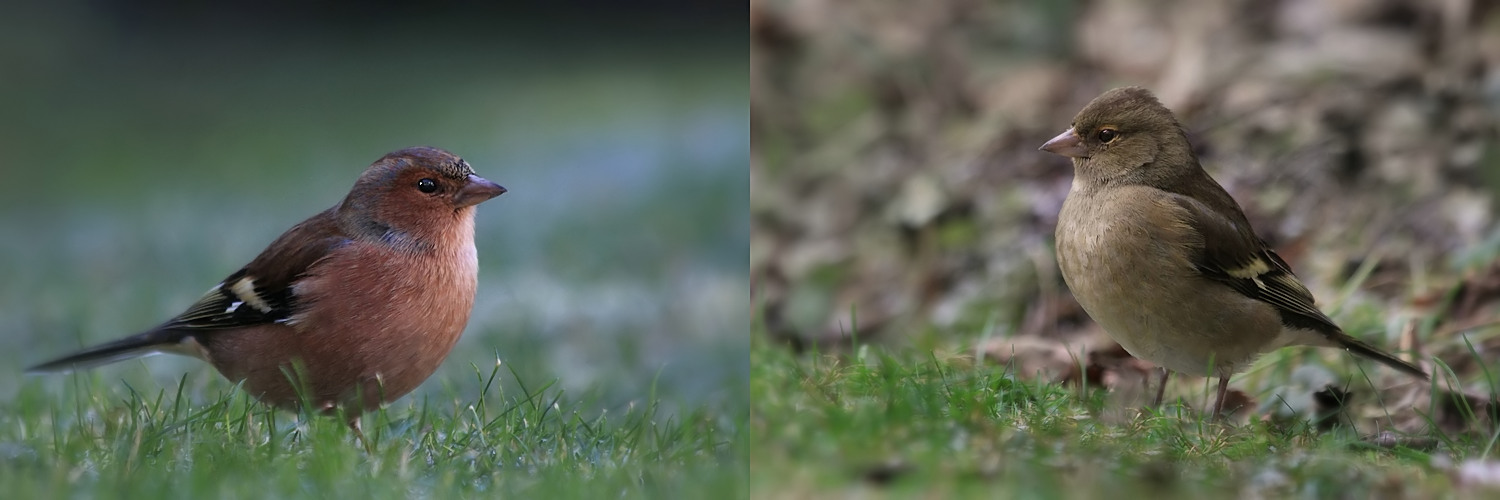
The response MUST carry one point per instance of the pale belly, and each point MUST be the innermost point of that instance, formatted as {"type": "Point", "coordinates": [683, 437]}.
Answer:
{"type": "Point", "coordinates": [1153, 302]}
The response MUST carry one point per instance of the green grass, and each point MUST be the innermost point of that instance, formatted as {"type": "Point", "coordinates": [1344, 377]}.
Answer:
{"type": "Point", "coordinates": [106, 440]}
{"type": "Point", "coordinates": [909, 423]}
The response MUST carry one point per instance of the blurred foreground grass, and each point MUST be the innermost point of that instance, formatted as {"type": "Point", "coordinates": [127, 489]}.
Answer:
{"type": "Point", "coordinates": [535, 442]}
{"type": "Point", "coordinates": [915, 424]}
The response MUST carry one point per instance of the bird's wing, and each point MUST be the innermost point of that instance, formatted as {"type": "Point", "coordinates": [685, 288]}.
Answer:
{"type": "Point", "coordinates": [263, 291]}
{"type": "Point", "coordinates": [1231, 254]}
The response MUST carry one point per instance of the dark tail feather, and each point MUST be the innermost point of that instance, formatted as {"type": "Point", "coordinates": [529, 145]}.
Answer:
{"type": "Point", "coordinates": [1359, 347]}
{"type": "Point", "coordinates": [135, 346]}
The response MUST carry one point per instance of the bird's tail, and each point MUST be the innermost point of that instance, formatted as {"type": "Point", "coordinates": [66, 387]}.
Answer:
{"type": "Point", "coordinates": [146, 343]}
{"type": "Point", "coordinates": [1359, 347]}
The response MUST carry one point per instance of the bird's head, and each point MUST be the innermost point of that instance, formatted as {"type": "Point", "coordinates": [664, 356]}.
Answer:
{"type": "Point", "coordinates": [1124, 132]}
{"type": "Point", "coordinates": [418, 192]}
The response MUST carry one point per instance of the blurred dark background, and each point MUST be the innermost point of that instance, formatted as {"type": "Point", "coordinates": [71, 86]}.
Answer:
{"type": "Point", "coordinates": [151, 148]}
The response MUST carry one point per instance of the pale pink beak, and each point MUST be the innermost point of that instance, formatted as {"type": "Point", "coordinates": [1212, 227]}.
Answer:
{"type": "Point", "coordinates": [476, 190]}
{"type": "Point", "coordinates": [1067, 144]}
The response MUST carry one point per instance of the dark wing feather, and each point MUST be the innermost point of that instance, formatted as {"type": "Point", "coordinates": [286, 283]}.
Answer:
{"type": "Point", "coordinates": [225, 307]}
{"type": "Point", "coordinates": [1233, 255]}
{"type": "Point", "coordinates": [262, 291]}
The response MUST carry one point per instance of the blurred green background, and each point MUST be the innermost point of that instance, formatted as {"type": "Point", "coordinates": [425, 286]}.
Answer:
{"type": "Point", "coordinates": [150, 149]}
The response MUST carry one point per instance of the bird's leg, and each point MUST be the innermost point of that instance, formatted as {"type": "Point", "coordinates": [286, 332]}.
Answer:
{"type": "Point", "coordinates": [359, 403]}
{"type": "Point", "coordinates": [1219, 403]}
{"type": "Point", "coordinates": [360, 434]}
{"type": "Point", "coordinates": [1161, 386]}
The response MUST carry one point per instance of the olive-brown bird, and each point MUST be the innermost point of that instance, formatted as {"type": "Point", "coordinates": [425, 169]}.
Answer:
{"type": "Point", "coordinates": [357, 305]}
{"type": "Point", "coordinates": [1163, 258]}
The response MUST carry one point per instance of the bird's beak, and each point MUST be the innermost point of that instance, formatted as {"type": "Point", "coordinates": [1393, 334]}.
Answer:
{"type": "Point", "coordinates": [1067, 144]}
{"type": "Point", "coordinates": [476, 191]}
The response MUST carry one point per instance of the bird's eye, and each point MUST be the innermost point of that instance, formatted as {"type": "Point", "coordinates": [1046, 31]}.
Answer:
{"type": "Point", "coordinates": [427, 185]}
{"type": "Point", "coordinates": [1108, 134]}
